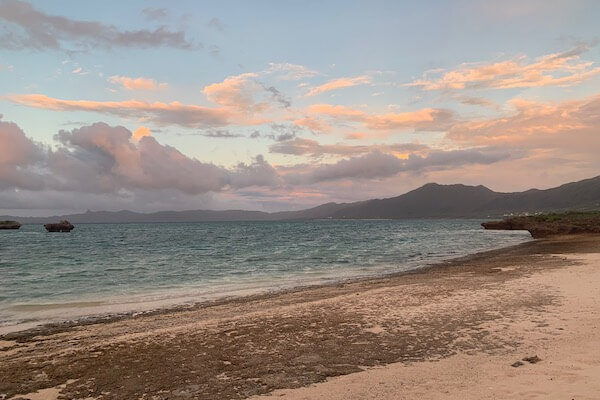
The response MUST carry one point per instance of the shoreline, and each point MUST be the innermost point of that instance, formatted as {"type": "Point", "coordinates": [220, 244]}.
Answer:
{"type": "Point", "coordinates": [286, 341]}
{"type": "Point", "coordinates": [48, 328]}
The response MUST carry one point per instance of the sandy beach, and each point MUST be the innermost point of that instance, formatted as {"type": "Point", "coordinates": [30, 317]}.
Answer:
{"type": "Point", "coordinates": [520, 322]}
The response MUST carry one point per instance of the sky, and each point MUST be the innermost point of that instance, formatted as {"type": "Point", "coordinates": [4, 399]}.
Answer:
{"type": "Point", "coordinates": [154, 105]}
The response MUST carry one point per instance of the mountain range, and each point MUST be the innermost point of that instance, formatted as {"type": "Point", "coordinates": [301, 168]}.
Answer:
{"type": "Point", "coordinates": [429, 201]}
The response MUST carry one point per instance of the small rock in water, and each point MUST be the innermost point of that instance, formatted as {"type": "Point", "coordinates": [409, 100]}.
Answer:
{"type": "Point", "coordinates": [516, 364]}
{"type": "Point", "coordinates": [532, 359]}
{"type": "Point", "coordinates": [62, 226]}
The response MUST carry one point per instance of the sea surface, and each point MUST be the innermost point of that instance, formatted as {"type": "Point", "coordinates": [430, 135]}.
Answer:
{"type": "Point", "coordinates": [101, 269]}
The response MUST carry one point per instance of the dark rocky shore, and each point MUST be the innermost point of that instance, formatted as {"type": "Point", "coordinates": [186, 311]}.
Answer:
{"type": "Point", "coordinates": [9, 225]}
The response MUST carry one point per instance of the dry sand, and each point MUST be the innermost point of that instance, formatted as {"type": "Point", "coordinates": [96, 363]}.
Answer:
{"type": "Point", "coordinates": [448, 332]}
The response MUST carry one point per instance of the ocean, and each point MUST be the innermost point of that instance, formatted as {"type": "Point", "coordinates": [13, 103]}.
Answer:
{"type": "Point", "coordinates": [103, 269]}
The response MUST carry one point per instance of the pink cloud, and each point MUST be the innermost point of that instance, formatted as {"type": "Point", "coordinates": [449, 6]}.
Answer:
{"type": "Point", "coordinates": [557, 69]}
{"type": "Point", "coordinates": [339, 83]}
{"type": "Point", "coordinates": [104, 159]}
{"type": "Point", "coordinates": [139, 83]}
{"type": "Point", "coordinates": [158, 112]}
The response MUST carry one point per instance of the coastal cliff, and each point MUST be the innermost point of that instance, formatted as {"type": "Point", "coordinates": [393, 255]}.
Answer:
{"type": "Point", "coordinates": [546, 225]}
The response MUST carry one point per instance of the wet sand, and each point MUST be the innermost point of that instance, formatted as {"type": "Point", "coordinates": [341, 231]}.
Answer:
{"type": "Point", "coordinates": [449, 331]}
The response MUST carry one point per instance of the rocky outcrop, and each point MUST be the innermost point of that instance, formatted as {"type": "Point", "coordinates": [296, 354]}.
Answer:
{"type": "Point", "coordinates": [546, 225]}
{"type": "Point", "coordinates": [9, 225]}
{"type": "Point", "coordinates": [62, 226]}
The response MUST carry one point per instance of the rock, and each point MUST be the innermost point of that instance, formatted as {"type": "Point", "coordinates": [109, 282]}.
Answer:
{"type": "Point", "coordinates": [532, 359]}
{"type": "Point", "coordinates": [9, 225]}
{"type": "Point", "coordinates": [62, 226]}
{"type": "Point", "coordinates": [517, 364]}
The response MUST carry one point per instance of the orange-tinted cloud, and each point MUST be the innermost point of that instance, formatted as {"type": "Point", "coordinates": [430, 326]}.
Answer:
{"type": "Point", "coordinates": [339, 84]}
{"type": "Point", "coordinates": [141, 132]}
{"type": "Point", "coordinates": [424, 119]}
{"type": "Point", "coordinates": [314, 124]}
{"type": "Point", "coordinates": [236, 92]}
{"type": "Point", "coordinates": [160, 113]}
{"type": "Point", "coordinates": [139, 83]}
{"type": "Point", "coordinates": [572, 123]}
{"type": "Point", "coordinates": [558, 69]}
{"type": "Point", "coordinates": [245, 93]}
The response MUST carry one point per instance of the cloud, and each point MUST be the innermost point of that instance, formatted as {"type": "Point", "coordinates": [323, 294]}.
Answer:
{"type": "Point", "coordinates": [139, 83]}
{"type": "Point", "coordinates": [477, 101]}
{"type": "Point", "coordinates": [141, 132]}
{"type": "Point", "coordinates": [155, 13]}
{"type": "Point", "coordinates": [26, 27]}
{"type": "Point", "coordinates": [283, 132]}
{"type": "Point", "coordinates": [236, 92]}
{"type": "Point", "coordinates": [104, 159]}
{"type": "Point", "coordinates": [427, 119]}
{"type": "Point", "coordinates": [17, 154]}
{"type": "Point", "coordinates": [339, 83]}
{"type": "Point", "coordinates": [568, 124]}
{"type": "Point", "coordinates": [240, 97]}
{"type": "Point", "coordinates": [176, 113]}
{"type": "Point", "coordinates": [557, 69]}
{"type": "Point", "coordinates": [312, 148]}
{"type": "Point", "coordinates": [221, 133]}
{"type": "Point", "coordinates": [290, 72]}
{"type": "Point", "coordinates": [216, 24]}
{"type": "Point", "coordinates": [314, 124]}
{"type": "Point", "coordinates": [378, 165]}
{"type": "Point", "coordinates": [277, 96]}
{"type": "Point", "coordinates": [245, 93]}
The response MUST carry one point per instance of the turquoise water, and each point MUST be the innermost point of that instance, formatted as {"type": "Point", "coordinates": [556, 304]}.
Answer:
{"type": "Point", "coordinates": [99, 268]}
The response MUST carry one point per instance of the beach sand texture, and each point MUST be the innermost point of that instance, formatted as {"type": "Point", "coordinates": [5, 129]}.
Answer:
{"type": "Point", "coordinates": [452, 331]}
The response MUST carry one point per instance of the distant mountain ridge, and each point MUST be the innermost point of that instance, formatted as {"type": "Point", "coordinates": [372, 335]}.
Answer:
{"type": "Point", "coordinates": [429, 201]}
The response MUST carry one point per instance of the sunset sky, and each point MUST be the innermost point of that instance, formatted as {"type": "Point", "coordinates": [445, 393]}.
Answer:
{"type": "Point", "coordinates": [266, 105]}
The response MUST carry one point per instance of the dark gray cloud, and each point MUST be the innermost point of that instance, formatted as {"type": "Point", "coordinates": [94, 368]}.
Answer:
{"type": "Point", "coordinates": [221, 133]}
{"type": "Point", "coordinates": [278, 97]}
{"type": "Point", "coordinates": [310, 147]}
{"type": "Point", "coordinates": [377, 164]}
{"type": "Point", "coordinates": [25, 27]}
{"type": "Point", "coordinates": [283, 132]}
